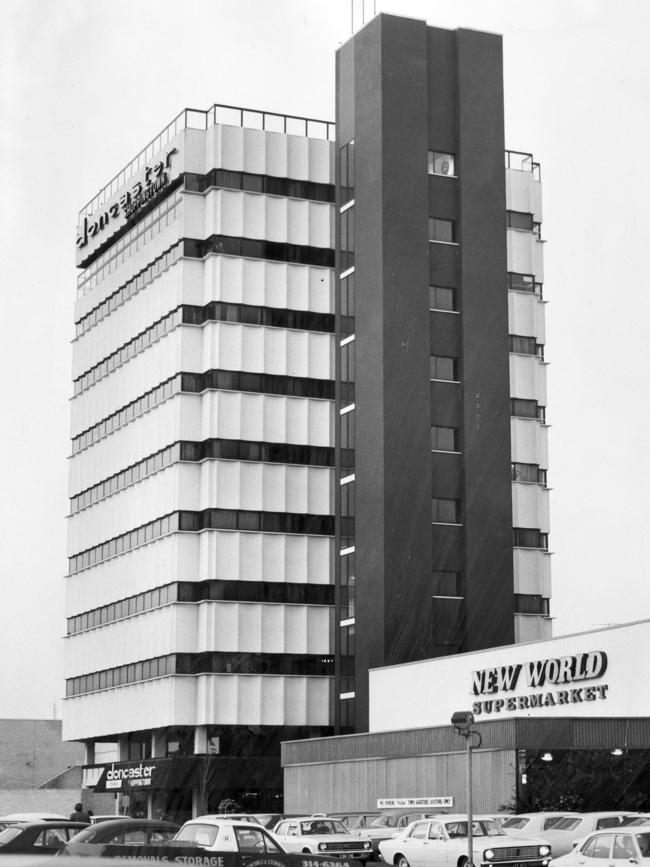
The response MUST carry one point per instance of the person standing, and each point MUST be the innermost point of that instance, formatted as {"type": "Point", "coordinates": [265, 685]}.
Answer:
{"type": "Point", "coordinates": [79, 815]}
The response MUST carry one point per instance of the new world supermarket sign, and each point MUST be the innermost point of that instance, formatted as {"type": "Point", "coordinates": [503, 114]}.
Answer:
{"type": "Point", "coordinates": [543, 673]}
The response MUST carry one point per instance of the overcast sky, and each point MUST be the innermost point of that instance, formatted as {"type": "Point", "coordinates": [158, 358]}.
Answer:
{"type": "Point", "coordinates": [87, 83]}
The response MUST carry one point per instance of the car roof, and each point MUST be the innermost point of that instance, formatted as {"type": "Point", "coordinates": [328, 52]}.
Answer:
{"type": "Point", "coordinates": [52, 823]}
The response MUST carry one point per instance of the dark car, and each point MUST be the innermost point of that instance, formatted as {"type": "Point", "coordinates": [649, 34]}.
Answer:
{"type": "Point", "coordinates": [136, 832]}
{"type": "Point", "coordinates": [38, 838]}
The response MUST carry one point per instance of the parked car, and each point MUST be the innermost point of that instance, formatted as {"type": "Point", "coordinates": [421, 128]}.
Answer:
{"type": "Point", "coordinates": [390, 822]}
{"type": "Point", "coordinates": [137, 832]}
{"type": "Point", "coordinates": [354, 822]}
{"type": "Point", "coordinates": [533, 823]}
{"type": "Point", "coordinates": [219, 833]}
{"type": "Point", "coordinates": [38, 838]}
{"type": "Point", "coordinates": [321, 835]}
{"type": "Point", "coordinates": [615, 847]}
{"type": "Point", "coordinates": [636, 819]}
{"type": "Point", "coordinates": [442, 842]}
{"type": "Point", "coordinates": [12, 818]}
{"type": "Point", "coordinates": [565, 832]}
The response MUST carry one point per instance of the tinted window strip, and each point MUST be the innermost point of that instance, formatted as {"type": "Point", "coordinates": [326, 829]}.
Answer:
{"type": "Point", "coordinates": [254, 183]}
{"type": "Point", "coordinates": [207, 519]}
{"type": "Point", "coordinates": [213, 662]}
{"type": "Point", "coordinates": [253, 248]}
{"type": "Point", "coordinates": [194, 592]}
{"type": "Point", "coordinates": [237, 450]}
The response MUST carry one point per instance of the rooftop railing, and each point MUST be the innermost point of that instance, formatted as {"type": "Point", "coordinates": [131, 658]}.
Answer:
{"type": "Point", "coordinates": [193, 118]}
{"type": "Point", "coordinates": [523, 162]}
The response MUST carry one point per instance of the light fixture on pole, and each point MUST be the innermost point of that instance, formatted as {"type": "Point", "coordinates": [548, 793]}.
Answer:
{"type": "Point", "coordinates": [547, 757]}
{"type": "Point", "coordinates": [462, 721]}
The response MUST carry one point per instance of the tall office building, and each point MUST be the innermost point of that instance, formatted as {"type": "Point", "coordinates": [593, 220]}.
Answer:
{"type": "Point", "coordinates": [287, 470]}
{"type": "Point", "coordinates": [200, 598]}
{"type": "Point", "coordinates": [441, 471]}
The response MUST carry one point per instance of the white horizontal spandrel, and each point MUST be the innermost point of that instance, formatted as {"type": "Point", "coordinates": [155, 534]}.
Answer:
{"type": "Point", "coordinates": [201, 627]}
{"type": "Point", "coordinates": [529, 442]}
{"type": "Point", "coordinates": [530, 506]}
{"type": "Point", "coordinates": [266, 418]}
{"type": "Point", "coordinates": [524, 193]}
{"type": "Point", "coordinates": [264, 283]}
{"type": "Point", "coordinates": [528, 378]}
{"type": "Point", "coordinates": [532, 572]}
{"type": "Point", "coordinates": [277, 557]}
{"type": "Point", "coordinates": [532, 627]}
{"type": "Point", "coordinates": [525, 254]}
{"type": "Point", "coordinates": [526, 315]}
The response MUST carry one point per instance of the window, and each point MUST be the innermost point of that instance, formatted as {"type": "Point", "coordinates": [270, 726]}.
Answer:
{"type": "Point", "coordinates": [441, 163]}
{"type": "Point", "coordinates": [419, 831]}
{"type": "Point", "coordinates": [528, 603]}
{"type": "Point", "coordinates": [526, 346]}
{"type": "Point", "coordinates": [598, 846]}
{"type": "Point", "coordinates": [520, 220]}
{"type": "Point", "coordinates": [523, 408]}
{"type": "Point", "coordinates": [444, 511]}
{"type": "Point", "coordinates": [623, 847]}
{"type": "Point", "coordinates": [444, 439]}
{"type": "Point", "coordinates": [445, 368]}
{"type": "Point", "coordinates": [528, 473]}
{"type": "Point", "coordinates": [442, 298]}
{"type": "Point", "coordinates": [442, 230]}
{"type": "Point", "coordinates": [446, 583]}
{"type": "Point", "coordinates": [529, 537]}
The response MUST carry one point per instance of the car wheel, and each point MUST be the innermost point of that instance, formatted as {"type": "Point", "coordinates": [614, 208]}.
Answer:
{"type": "Point", "coordinates": [463, 862]}
{"type": "Point", "coordinates": [401, 861]}
{"type": "Point", "coordinates": [306, 851]}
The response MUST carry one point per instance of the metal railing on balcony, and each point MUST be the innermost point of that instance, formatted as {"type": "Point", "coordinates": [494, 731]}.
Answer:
{"type": "Point", "coordinates": [192, 118]}
{"type": "Point", "coordinates": [523, 162]}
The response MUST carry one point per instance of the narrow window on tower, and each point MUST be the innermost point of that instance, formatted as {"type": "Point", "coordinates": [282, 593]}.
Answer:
{"type": "Point", "coordinates": [444, 439]}
{"type": "Point", "coordinates": [529, 537]}
{"type": "Point", "coordinates": [442, 298]}
{"type": "Point", "coordinates": [441, 163]}
{"type": "Point", "coordinates": [442, 231]}
{"type": "Point", "coordinates": [346, 166]}
{"type": "Point", "coordinates": [445, 511]}
{"type": "Point", "coordinates": [444, 368]}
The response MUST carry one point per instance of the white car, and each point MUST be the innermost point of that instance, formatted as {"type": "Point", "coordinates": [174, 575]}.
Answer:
{"type": "Point", "coordinates": [321, 836]}
{"type": "Point", "coordinates": [533, 823]}
{"type": "Point", "coordinates": [219, 834]}
{"type": "Point", "coordinates": [614, 847]}
{"type": "Point", "coordinates": [442, 842]}
{"type": "Point", "coordinates": [564, 833]}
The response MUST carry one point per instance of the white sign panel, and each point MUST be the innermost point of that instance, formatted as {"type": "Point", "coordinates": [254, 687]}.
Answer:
{"type": "Point", "coordinates": [590, 674]}
{"type": "Point", "coordinates": [425, 803]}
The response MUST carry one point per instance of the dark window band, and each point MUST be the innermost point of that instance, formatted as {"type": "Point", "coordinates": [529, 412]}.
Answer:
{"type": "Point", "coordinates": [215, 311]}
{"type": "Point", "coordinates": [254, 248]}
{"type": "Point", "coordinates": [237, 450]}
{"type": "Point", "coordinates": [199, 591]}
{"type": "Point", "coordinates": [254, 183]}
{"type": "Point", "coordinates": [214, 662]}
{"type": "Point", "coordinates": [227, 380]}
{"type": "Point", "coordinates": [208, 519]}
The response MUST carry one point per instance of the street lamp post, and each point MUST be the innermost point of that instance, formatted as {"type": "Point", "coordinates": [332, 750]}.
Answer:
{"type": "Point", "coordinates": [462, 721]}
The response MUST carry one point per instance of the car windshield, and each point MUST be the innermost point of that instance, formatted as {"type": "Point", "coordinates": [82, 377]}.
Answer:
{"type": "Point", "coordinates": [9, 834]}
{"type": "Point", "coordinates": [566, 824]}
{"type": "Point", "coordinates": [202, 835]}
{"type": "Point", "coordinates": [323, 826]}
{"type": "Point", "coordinates": [480, 828]}
{"type": "Point", "coordinates": [516, 822]}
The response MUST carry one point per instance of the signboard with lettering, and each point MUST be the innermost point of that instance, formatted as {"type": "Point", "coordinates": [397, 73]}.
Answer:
{"type": "Point", "coordinates": [425, 803]}
{"type": "Point", "coordinates": [590, 674]}
{"type": "Point", "coordinates": [144, 188]}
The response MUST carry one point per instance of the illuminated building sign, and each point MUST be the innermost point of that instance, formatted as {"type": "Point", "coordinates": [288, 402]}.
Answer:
{"type": "Point", "coordinates": [156, 178]}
